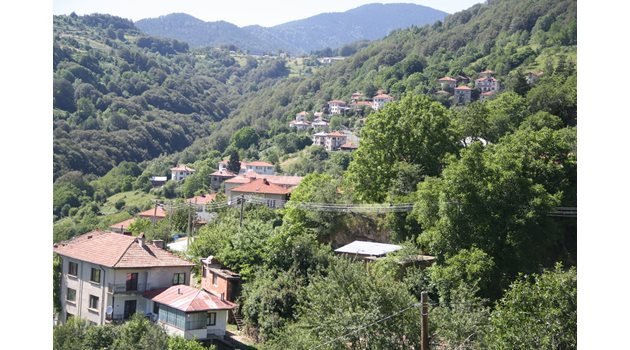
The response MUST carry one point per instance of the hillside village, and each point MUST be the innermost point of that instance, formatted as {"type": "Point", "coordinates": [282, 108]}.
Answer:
{"type": "Point", "coordinates": [206, 198]}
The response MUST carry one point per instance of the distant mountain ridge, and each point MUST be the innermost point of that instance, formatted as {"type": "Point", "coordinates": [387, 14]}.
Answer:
{"type": "Point", "coordinates": [367, 22]}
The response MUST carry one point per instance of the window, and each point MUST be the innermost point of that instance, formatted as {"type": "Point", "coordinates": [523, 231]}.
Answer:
{"type": "Point", "coordinates": [179, 278]}
{"type": "Point", "coordinates": [131, 283]}
{"type": "Point", "coordinates": [93, 302]}
{"type": "Point", "coordinates": [215, 280]}
{"type": "Point", "coordinates": [95, 276]}
{"type": "Point", "coordinates": [71, 294]}
{"type": "Point", "coordinates": [73, 268]}
{"type": "Point", "coordinates": [204, 271]}
{"type": "Point", "coordinates": [212, 318]}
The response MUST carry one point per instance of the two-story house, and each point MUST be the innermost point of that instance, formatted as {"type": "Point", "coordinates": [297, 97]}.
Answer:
{"type": "Point", "coordinates": [330, 141]}
{"type": "Point", "coordinates": [104, 275]}
{"type": "Point", "coordinates": [258, 167]}
{"type": "Point", "coordinates": [286, 182]}
{"type": "Point", "coordinates": [181, 172]}
{"type": "Point", "coordinates": [380, 100]}
{"type": "Point", "coordinates": [263, 191]}
{"type": "Point", "coordinates": [218, 177]}
{"type": "Point", "coordinates": [447, 82]}
{"type": "Point", "coordinates": [336, 107]}
{"type": "Point", "coordinates": [462, 94]}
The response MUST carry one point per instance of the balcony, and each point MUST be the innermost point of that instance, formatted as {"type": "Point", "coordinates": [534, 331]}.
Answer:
{"type": "Point", "coordinates": [128, 288]}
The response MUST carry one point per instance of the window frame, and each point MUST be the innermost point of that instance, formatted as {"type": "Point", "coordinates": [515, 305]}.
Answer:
{"type": "Point", "coordinates": [76, 269]}
{"type": "Point", "coordinates": [176, 278]}
{"type": "Point", "coordinates": [97, 274]}
{"type": "Point", "coordinates": [215, 279]}
{"type": "Point", "coordinates": [93, 300]}
{"type": "Point", "coordinates": [212, 319]}
{"type": "Point", "coordinates": [73, 300]}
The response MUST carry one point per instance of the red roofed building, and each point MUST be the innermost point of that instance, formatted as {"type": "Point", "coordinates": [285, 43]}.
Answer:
{"type": "Point", "coordinates": [155, 214]}
{"type": "Point", "coordinates": [104, 275]}
{"type": "Point", "coordinates": [380, 100]}
{"type": "Point", "coordinates": [462, 94]}
{"type": "Point", "coordinates": [336, 107]}
{"type": "Point", "coordinates": [181, 172]}
{"type": "Point", "coordinates": [190, 312]}
{"type": "Point", "coordinates": [330, 141]}
{"type": "Point", "coordinates": [122, 227]}
{"type": "Point", "coordinates": [447, 82]}
{"type": "Point", "coordinates": [218, 177]}
{"type": "Point", "coordinates": [257, 166]}
{"type": "Point", "coordinates": [261, 190]}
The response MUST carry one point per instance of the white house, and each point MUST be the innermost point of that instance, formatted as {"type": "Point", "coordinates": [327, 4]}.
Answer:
{"type": "Point", "coordinates": [330, 141]}
{"type": "Point", "coordinates": [380, 100]}
{"type": "Point", "coordinates": [336, 107]}
{"type": "Point", "coordinates": [181, 172]}
{"type": "Point", "coordinates": [104, 275]}
{"type": "Point", "coordinates": [258, 167]}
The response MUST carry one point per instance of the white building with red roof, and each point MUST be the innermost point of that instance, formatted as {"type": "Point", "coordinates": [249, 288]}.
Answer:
{"type": "Point", "coordinates": [181, 172]}
{"type": "Point", "coordinates": [104, 275]}
{"type": "Point", "coordinates": [336, 107]}
{"type": "Point", "coordinates": [218, 177]}
{"type": "Point", "coordinates": [330, 141]}
{"type": "Point", "coordinates": [258, 167]}
{"type": "Point", "coordinates": [380, 100]}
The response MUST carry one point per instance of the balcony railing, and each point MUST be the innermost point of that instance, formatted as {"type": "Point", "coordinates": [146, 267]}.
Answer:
{"type": "Point", "coordinates": [128, 288]}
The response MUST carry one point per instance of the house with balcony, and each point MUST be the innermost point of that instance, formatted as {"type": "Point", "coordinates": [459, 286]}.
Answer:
{"type": "Point", "coordinates": [336, 107]}
{"type": "Point", "coordinates": [330, 141]}
{"type": "Point", "coordinates": [462, 95]}
{"type": "Point", "coordinates": [104, 275]}
{"type": "Point", "coordinates": [447, 83]}
{"type": "Point", "coordinates": [181, 172]}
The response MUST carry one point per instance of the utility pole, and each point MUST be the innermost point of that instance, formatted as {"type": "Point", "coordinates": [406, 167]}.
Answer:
{"type": "Point", "coordinates": [425, 321]}
{"type": "Point", "coordinates": [188, 206]}
{"type": "Point", "coordinates": [155, 213]}
{"type": "Point", "coordinates": [242, 200]}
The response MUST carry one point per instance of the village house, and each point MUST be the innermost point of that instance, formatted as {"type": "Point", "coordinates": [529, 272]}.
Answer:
{"type": "Point", "coordinates": [218, 280]}
{"type": "Point", "coordinates": [447, 83]}
{"type": "Point", "coordinates": [258, 167]}
{"type": "Point", "coordinates": [336, 107]}
{"type": "Point", "coordinates": [181, 172]}
{"type": "Point", "coordinates": [122, 227]}
{"type": "Point", "coordinates": [462, 94]}
{"type": "Point", "coordinates": [300, 122]}
{"type": "Point", "coordinates": [349, 147]}
{"type": "Point", "coordinates": [154, 215]}
{"type": "Point", "coordinates": [487, 82]}
{"type": "Point", "coordinates": [372, 251]}
{"type": "Point", "coordinates": [380, 100]}
{"type": "Point", "coordinates": [157, 181]}
{"type": "Point", "coordinates": [532, 77]}
{"type": "Point", "coordinates": [200, 201]}
{"type": "Point", "coordinates": [356, 96]}
{"type": "Point", "coordinates": [330, 141]}
{"type": "Point", "coordinates": [484, 96]}
{"type": "Point", "coordinates": [320, 123]}
{"type": "Point", "coordinates": [218, 177]}
{"type": "Point", "coordinates": [261, 191]}
{"type": "Point", "coordinates": [286, 182]}
{"type": "Point", "coordinates": [104, 275]}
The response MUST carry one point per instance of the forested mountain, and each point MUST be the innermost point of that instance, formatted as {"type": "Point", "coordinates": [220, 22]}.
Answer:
{"type": "Point", "coordinates": [120, 95]}
{"type": "Point", "coordinates": [368, 22]}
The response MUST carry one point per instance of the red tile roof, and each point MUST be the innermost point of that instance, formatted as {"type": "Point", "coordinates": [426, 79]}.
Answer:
{"type": "Point", "coordinates": [260, 186]}
{"type": "Point", "coordinates": [188, 299]}
{"type": "Point", "coordinates": [383, 96]}
{"type": "Point", "coordinates": [202, 199]}
{"type": "Point", "coordinates": [182, 168]}
{"type": "Point", "coordinates": [337, 134]}
{"type": "Point", "coordinates": [225, 173]}
{"type": "Point", "coordinates": [116, 250]}
{"type": "Point", "coordinates": [124, 224]}
{"type": "Point", "coordinates": [349, 145]}
{"type": "Point", "coordinates": [159, 213]}
{"type": "Point", "coordinates": [241, 179]}
{"type": "Point", "coordinates": [447, 78]}
{"type": "Point", "coordinates": [259, 163]}
{"type": "Point", "coordinates": [463, 87]}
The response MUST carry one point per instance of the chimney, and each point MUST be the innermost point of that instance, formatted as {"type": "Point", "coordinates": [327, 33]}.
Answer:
{"type": "Point", "coordinates": [159, 243]}
{"type": "Point", "coordinates": [141, 239]}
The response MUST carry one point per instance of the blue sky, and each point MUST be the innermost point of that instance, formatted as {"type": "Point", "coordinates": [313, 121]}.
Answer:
{"type": "Point", "coordinates": [239, 12]}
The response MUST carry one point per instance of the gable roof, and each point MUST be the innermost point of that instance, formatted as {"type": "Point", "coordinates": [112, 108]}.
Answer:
{"type": "Point", "coordinates": [116, 250]}
{"type": "Point", "coordinates": [124, 224]}
{"type": "Point", "coordinates": [383, 96]}
{"type": "Point", "coordinates": [202, 199]}
{"type": "Point", "coordinates": [463, 87]}
{"type": "Point", "coordinates": [224, 173]}
{"type": "Point", "coordinates": [446, 78]}
{"type": "Point", "coordinates": [188, 299]}
{"type": "Point", "coordinates": [159, 213]}
{"type": "Point", "coordinates": [182, 168]}
{"type": "Point", "coordinates": [260, 186]}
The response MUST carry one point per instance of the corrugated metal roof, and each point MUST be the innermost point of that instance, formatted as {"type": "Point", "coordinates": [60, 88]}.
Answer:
{"type": "Point", "coordinates": [368, 248]}
{"type": "Point", "coordinates": [188, 299]}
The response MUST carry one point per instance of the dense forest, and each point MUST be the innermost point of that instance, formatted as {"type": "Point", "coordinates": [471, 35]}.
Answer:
{"type": "Point", "coordinates": [503, 263]}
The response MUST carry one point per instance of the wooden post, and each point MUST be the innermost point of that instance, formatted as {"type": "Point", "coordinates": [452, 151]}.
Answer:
{"type": "Point", "coordinates": [242, 205]}
{"type": "Point", "coordinates": [155, 213]}
{"type": "Point", "coordinates": [425, 321]}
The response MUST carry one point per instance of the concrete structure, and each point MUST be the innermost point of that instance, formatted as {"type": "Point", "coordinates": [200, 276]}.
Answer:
{"type": "Point", "coordinates": [181, 172]}
{"type": "Point", "coordinates": [336, 107]}
{"type": "Point", "coordinates": [218, 177]}
{"type": "Point", "coordinates": [330, 141]}
{"type": "Point", "coordinates": [367, 249]}
{"type": "Point", "coordinates": [104, 275]}
{"type": "Point", "coordinates": [157, 181]}
{"type": "Point", "coordinates": [486, 84]}
{"type": "Point", "coordinates": [218, 280]}
{"type": "Point", "coordinates": [380, 100]}
{"type": "Point", "coordinates": [447, 82]}
{"type": "Point", "coordinates": [201, 201]}
{"type": "Point", "coordinates": [258, 167]}
{"type": "Point", "coordinates": [190, 312]}
{"type": "Point", "coordinates": [462, 94]}
{"type": "Point", "coordinates": [262, 191]}
{"type": "Point", "coordinates": [300, 125]}
{"type": "Point", "coordinates": [320, 123]}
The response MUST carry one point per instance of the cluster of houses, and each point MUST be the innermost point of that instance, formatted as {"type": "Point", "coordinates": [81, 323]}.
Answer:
{"type": "Point", "coordinates": [357, 101]}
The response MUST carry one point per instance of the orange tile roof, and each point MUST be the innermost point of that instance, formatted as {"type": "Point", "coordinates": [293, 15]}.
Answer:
{"type": "Point", "coordinates": [117, 251]}
{"type": "Point", "coordinates": [124, 224]}
{"type": "Point", "coordinates": [337, 134]}
{"type": "Point", "coordinates": [159, 213]}
{"type": "Point", "coordinates": [349, 145]}
{"type": "Point", "coordinates": [447, 78]}
{"type": "Point", "coordinates": [337, 102]}
{"type": "Point", "coordinates": [463, 87]}
{"type": "Point", "coordinates": [202, 199]}
{"type": "Point", "coordinates": [225, 173]}
{"type": "Point", "coordinates": [182, 168]}
{"type": "Point", "coordinates": [188, 299]}
{"type": "Point", "coordinates": [260, 186]}
{"type": "Point", "coordinates": [241, 179]}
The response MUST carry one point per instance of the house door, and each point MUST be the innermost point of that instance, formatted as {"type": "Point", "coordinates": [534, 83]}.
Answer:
{"type": "Point", "coordinates": [130, 308]}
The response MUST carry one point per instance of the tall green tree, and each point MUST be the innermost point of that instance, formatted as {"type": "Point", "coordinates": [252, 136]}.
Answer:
{"type": "Point", "coordinates": [234, 164]}
{"type": "Point", "coordinates": [413, 130]}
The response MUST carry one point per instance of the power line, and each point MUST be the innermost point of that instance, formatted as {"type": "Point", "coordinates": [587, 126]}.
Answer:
{"type": "Point", "coordinates": [368, 325]}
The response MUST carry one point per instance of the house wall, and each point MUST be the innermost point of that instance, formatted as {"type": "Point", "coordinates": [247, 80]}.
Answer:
{"type": "Point", "coordinates": [279, 198]}
{"type": "Point", "coordinates": [84, 288]}
{"type": "Point", "coordinates": [223, 285]}
{"type": "Point", "coordinates": [156, 277]}
{"type": "Point", "coordinates": [218, 329]}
